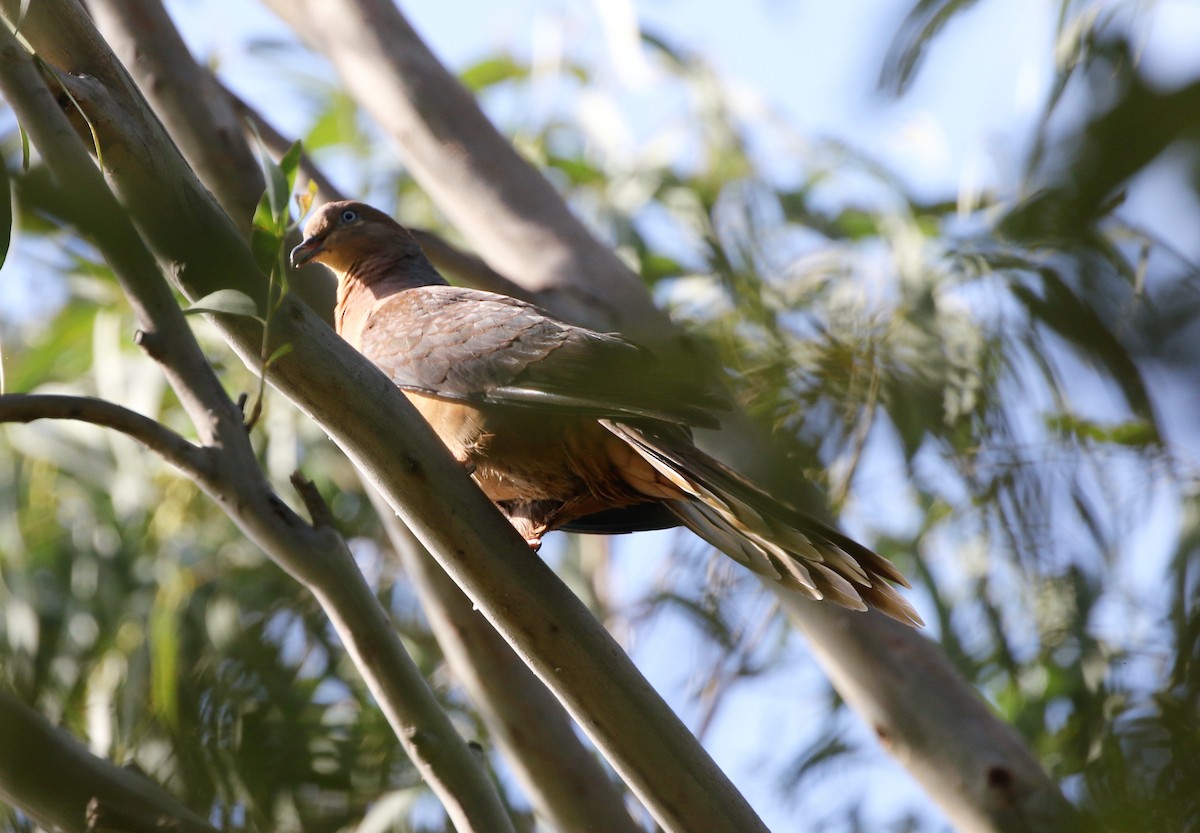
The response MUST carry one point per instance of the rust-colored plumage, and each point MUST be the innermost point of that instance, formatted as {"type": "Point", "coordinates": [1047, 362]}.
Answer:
{"type": "Point", "coordinates": [564, 427]}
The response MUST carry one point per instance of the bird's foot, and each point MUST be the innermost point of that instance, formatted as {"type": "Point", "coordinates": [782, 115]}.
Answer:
{"type": "Point", "coordinates": [529, 518]}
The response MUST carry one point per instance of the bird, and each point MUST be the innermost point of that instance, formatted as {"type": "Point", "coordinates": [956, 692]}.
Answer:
{"type": "Point", "coordinates": [565, 427]}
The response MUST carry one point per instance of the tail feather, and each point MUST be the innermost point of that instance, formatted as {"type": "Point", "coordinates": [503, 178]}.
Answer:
{"type": "Point", "coordinates": [765, 535]}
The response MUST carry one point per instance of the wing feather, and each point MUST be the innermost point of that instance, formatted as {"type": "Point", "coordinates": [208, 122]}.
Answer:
{"type": "Point", "coordinates": [476, 346]}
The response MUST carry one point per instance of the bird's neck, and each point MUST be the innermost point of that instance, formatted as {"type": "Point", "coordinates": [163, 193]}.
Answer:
{"type": "Point", "coordinates": [368, 281]}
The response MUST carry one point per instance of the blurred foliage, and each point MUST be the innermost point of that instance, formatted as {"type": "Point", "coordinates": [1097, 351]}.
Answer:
{"type": "Point", "coordinates": [979, 382]}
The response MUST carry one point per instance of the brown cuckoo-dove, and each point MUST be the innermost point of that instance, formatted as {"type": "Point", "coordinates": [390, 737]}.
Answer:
{"type": "Point", "coordinates": [565, 427]}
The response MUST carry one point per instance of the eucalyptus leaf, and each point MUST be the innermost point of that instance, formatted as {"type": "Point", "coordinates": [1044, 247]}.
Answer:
{"type": "Point", "coordinates": [274, 201]}
{"type": "Point", "coordinates": [6, 213]}
{"type": "Point", "coordinates": [492, 71]}
{"type": "Point", "coordinates": [226, 302]}
{"type": "Point", "coordinates": [279, 352]}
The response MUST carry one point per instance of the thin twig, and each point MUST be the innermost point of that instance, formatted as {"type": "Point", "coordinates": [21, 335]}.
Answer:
{"type": "Point", "coordinates": [28, 407]}
{"type": "Point", "coordinates": [318, 509]}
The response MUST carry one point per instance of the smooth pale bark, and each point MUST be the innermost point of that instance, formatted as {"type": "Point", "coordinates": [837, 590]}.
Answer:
{"type": "Point", "coordinates": [978, 768]}
{"type": "Point", "coordinates": [193, 107]}
{"type": "Point", "coordinates": [565, 782]}
{"type": "Point", "coordinates": [59, 784]}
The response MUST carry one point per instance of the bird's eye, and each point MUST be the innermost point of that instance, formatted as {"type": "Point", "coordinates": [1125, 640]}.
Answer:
{"type": "Point", "coordinates": [349, 215]}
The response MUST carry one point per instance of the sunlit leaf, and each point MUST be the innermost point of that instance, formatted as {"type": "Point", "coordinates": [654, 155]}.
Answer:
{"type": "Point", "coordinates": [304, 200]}
{"type": "Point", "coordinates": [163, 634]}
{"type": "Point", "coordinates": [578, 171]}
{"type": "Point", "coordinates": [271, 213]}
{"type": "Point", "coordinates": [337, 125]}
{"type": "Point", "coordinates": [492, 71]}
{"type": "Point", "coordinates": [278, 353]}
{"type": "Point", "coordinates": [1133, 433]}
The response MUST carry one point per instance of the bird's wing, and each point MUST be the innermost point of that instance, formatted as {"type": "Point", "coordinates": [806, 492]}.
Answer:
{"type": "Point", "coordinates": [469, 345]}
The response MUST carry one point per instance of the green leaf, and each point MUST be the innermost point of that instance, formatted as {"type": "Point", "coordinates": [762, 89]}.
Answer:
{"type": "Point", "coordinates": [1135, 433]}
{"type": "Point", "coordinates": [337, 125]}
{"type": "Point", "coordinates": [289, 164]}
{"type": "Point", "coordinates": [6, 213]}
{"type": "Point", "coordinates": [274, 202]}
{"type": "Point", "coordinates": [916, 32]}
{"type": "Point", "coordinates": [24, 148]}
{"type": "Point", "coordinates": [492, 71]}
{"type": "Point", "coordinates": [226, 302]}
{"type": "Point", "coordinates": [856, 224]}
{"type": "Point", "coordinates": [577, 171]}
{"type": "Point", "coordinates": [280, 351]}
{"type": "Point", "coordinates": [265, 244]}
{"type": "Point", "coordinates": [656, 266]}
{"type": "Point", "coordinates": [78, 108]}
{"type": "Point", "coordinates": [164, 628]}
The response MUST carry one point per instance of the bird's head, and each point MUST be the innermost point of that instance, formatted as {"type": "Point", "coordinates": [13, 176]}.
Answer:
{"type": "Point", "coordinates": [338, 234]}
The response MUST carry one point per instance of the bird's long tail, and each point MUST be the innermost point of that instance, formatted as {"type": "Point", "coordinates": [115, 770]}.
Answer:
{"type": "Point", "coordinates": [769, 537]}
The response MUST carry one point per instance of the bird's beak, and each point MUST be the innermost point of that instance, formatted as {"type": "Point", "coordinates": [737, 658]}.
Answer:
{"type": "Point", "coordinates": [306, 251]}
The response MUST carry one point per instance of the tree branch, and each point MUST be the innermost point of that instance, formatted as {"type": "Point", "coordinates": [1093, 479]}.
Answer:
{"type": "Point", "coordinates": [188, 458]}
{"type": "Point", "coordinates": [382, 433]}
{"type": "Point", "coordinates": [562, 778]}
{"type": "Point", "coordinates": [55, 780]}
{"type": "Point", "coordinates": [190, 101]}
{"type": "Point", "coordinates": [934, 725]}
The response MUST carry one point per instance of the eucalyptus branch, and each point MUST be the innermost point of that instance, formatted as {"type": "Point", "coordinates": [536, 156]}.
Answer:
{"type": "Point", "coordinates": [60, 784]}
{"type": "Point", "coordinates": [171, 447]}
{"type": "Point", "coordinates": [563, 779]}
{"type": "Point", "coordinates": [188, 98]}
{"type": "Point", "coordinates": [914, 702]}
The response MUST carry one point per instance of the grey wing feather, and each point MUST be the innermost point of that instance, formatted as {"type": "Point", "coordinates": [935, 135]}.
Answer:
{"type": "Point", "coordinates": [472, 345]}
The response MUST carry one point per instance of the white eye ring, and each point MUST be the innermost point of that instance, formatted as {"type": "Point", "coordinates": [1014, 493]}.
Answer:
{"type": "Point", "coordinates": [349, 215]}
